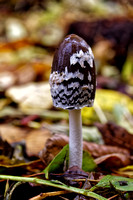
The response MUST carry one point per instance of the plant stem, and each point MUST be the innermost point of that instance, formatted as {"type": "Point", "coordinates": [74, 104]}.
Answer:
{"type": "Point", "coordinates": [53, 184]}
{"type": "Point", "coordinates": [75, 138]}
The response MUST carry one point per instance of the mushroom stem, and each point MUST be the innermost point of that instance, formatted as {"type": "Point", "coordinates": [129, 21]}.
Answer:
{"type": "Point", "coordinates": [75, 138]}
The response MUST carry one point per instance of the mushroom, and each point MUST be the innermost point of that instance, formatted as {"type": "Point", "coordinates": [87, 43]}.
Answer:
{"type": "Point", "coordinates": [73, 84]}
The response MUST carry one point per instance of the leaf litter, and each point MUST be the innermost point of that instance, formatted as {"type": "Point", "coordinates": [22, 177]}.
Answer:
{"type": "Point", "coordinates": [33, 134]}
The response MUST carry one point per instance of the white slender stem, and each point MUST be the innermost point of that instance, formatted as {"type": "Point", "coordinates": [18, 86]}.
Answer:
{"type": "Point", "coordinates": [75, 138]}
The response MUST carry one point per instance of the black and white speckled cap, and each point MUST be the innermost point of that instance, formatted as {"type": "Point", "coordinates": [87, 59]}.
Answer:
{"type": "Point", "coordinates": [73, 77]}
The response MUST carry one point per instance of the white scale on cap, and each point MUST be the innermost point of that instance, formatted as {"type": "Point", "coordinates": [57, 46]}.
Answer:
{"type": "Point", "coordinates": [81, 57]}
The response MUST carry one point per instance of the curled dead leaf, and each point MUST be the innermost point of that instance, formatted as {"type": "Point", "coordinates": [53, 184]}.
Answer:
{"type": "Point", "coordinates": [52, 147]}
{"type": "Point", "coordinates": [113, 160]}
{"type": "Point", "coordinates": [58, 141]}
{"type": "Point", "coordinates": [99, 149]}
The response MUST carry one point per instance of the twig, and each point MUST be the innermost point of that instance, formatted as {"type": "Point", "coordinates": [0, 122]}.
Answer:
{"type": "Point", "coordinates": [113, 197]}
{"type": "Point", "coordinates": [48, 194]}
{"type": "Point", "coordinates": [83, 179]}
{"type": "Point", "coordinates": [64, 198]}
{"type": "Point", "coordinates": [55, 184]}
{"type": "Point", "coordinates": [8, 195]}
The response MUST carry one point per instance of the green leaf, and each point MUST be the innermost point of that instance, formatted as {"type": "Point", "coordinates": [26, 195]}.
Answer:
{"type": "Point", "coordinates": [57, 164]}
{"type": "Point", "coordinates": [118, 182]}
{"type": "Point", "coordinates": [88, 164]}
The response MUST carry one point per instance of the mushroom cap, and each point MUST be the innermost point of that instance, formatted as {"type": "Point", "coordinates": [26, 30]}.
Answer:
{"type": "Point", "coordinates": [73, 77]}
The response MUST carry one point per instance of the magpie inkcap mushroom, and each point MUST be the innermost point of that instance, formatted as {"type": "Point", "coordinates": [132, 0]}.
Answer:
{"type": "Point", "coordinates": [73, 85]}
{"type": "Point", "coordinates": [73, 79]}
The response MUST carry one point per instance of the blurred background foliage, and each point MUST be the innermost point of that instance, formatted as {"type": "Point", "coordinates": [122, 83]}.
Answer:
{"type": "Point", "coordinates": [31, 30]}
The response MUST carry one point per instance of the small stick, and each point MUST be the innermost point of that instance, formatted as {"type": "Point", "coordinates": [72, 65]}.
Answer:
{"type": "Point", "coordinates": [83, 179]}
{"type": "Point", "coordinates": [48, 194]}
{"type": "Point", "coordinates": [113, 197]}
{"type": "Point", "coordinates": [53, 184]}
{"type": "Point", "coordinates": [63, 198]}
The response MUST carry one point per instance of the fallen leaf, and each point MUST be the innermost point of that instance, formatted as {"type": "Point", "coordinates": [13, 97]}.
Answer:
{"type": "Point", "coordinates": [60, 162]}
{"type": "Point", "coordinates": [116, 135]}
{"type": "Point", "coordinates": [114, 160]}
{"type": "Point", "coordinates": [31, 97]}
{"type": "Point", "coordinates": [58, 141]}
{"type": "Point", "coordinates": [98, 150]}
{"type": "Point", "coordinates": [106, 100]}
{"type": "Point", "coordinates": [32, 166]}
{"type": "Point", "coordinates": [36, 140]}
{"type": "Point", "coordinates": [57, 164]}
{"type": "Point", "coordinates": [52, 147]}
{"type": "Point", "coordinates": [126, 171]}
{"type": "Point", "coordinates": [119, 183]}
{"type": "Point", "coordinates": [88, 163]}
{"type": "Point", "coordinates": [12, 133]}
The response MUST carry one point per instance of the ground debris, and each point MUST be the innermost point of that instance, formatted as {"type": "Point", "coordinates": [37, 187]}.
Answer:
{"type": "Point", "coordinates": [103, 153]}
{"type": "Point", "coordinates": [116, 135]}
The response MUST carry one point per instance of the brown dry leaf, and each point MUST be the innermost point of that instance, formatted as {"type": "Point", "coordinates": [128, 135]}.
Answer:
{"type": "Point", "coordinates": [52, 147]}
{"type": "Point", "coordinates": [116, 135]}
{"type": "Point", "coordinates": [32, 97]}
{"type": "Point", "coordinates": [25, 74]}
{"type": "Point", "coordinates": [98, 150]}
{"type": "Point", "coordinates": [57, 142]}
{"type": "Point", "coordinates": [35, 141]}
{"type": "Point", "coordinates": [113, 160]}
{"type": "Point", "coordinates": [11, 133]}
